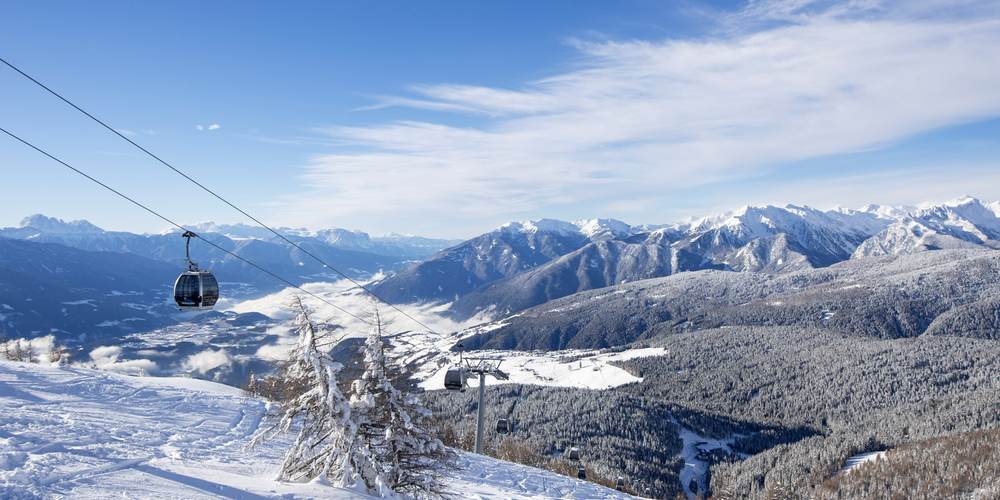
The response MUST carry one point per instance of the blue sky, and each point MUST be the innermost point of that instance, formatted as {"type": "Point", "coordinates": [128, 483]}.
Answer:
{"type": "Point", "coordinates": [449, 118]}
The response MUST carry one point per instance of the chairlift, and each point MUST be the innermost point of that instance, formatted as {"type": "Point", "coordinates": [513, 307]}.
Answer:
{"type": "Point", "coordinates": [581, 473]}
{"type": "Point", "coordinates": [503, 426]}
{"type": "Point", "coordinates": [574, 453]}
{"type": "Point", "coordinates": [194, 288]}
{"type": "Point", "coordinates": [620, 484]}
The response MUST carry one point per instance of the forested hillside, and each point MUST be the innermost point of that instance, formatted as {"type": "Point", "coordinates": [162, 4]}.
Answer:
{"type": "Point", "coordinates": [888, 297]}
{"type": "Point", "coordinates": [796, 403]}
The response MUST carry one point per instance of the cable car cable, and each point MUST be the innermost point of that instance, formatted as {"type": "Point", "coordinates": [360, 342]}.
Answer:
{"type": "Point", "coordinates": [213, 193]}
{"type": "Point", "coordinates": [150, 210]}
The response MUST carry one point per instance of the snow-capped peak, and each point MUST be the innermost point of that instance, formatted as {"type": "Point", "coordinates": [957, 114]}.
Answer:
{"type": "Point", "coordinates": [994, 207]}
{"type": "Point", "coordinates": [540, 225]}
{"type": "Point", "coordinates": [53, 225]}
{"type": "Point", "coordinates": [962, 200]}
{"type": "Point", "coordinates": [888, 211]}
{"type": "Point", "coordinates": [603, 228]}
{"type": "Point", "coordinates": [595, 229]}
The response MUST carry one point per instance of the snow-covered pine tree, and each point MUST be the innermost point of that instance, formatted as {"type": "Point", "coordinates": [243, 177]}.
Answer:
{"type": "Point", "coordinates": [327, 432]}
{"type": "Point", "coordinates": [396, 451]}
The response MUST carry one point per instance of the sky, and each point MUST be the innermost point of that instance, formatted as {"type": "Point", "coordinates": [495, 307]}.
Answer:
{"type": "Point", "coordinates": [448, 118]}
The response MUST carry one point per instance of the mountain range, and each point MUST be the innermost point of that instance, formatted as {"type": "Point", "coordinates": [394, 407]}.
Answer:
{"type": "Point", "coordinates": [523, 264]}
{"type": "Point", "coordinates": [353, 252]}
{"type": "Point", "coordinates": [514, 267]}
{"type": "Point", "coordinates": [82, 282]}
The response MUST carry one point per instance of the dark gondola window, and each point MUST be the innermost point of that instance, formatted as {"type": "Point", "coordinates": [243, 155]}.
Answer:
{"type": "Point", "coordinates": [210, 290]}
{"type": "Point", "coordinates": [187, 292]}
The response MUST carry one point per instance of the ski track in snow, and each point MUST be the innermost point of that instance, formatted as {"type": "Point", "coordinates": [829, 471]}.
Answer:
{"type": "Point", "coordinates": [696, 468]}
{"type": "Point", "coordinates": [79, 433]}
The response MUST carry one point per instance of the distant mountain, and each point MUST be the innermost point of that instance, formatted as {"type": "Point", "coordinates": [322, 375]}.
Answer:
{"type": "Point", "coordinates": [257, 244]}
{"type": "Point", "coordinates": [394, 245]}
{"type": "Point", "coordinates": [523, 264]}
{"type": "Point", "coordinates": [79, 295]}
{"type": "Point", "coordinates": [504, 252]}
{"type": "Point", "coordinates": [962, 223]}
{"type": "Point", "coordinates": [52, 225]}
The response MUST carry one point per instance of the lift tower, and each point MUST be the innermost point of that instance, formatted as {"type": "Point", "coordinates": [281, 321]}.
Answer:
{"type": "Point", "coordinates": [483, 367]}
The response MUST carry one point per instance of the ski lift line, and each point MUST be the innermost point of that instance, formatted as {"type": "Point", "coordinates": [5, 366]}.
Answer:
{"type": "Point", "coordinates": [219, 197]}
{"type": "Point", "coordinates": [157, 214]}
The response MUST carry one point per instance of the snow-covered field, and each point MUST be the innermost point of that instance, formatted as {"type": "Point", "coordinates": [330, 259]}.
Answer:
{"type": "Point", "coordinates": [861, 459]}
{"type": "Point", "coordinates": [429, 353]}
{"type": "Point", "coordinates": [78, 433]}
{"type": "Point", "coordinates": [696, 462]}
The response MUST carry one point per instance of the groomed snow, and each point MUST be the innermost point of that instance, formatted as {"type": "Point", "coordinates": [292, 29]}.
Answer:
{"type": "Point", "coordinates": [861, 459]}
{"type": "Point", "coordinates": [80, 433]}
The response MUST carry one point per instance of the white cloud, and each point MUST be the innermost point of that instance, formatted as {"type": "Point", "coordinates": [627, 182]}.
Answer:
{"type": "Point", "coordinates": [199, 127]}
{"type": "Point", "coordinates": [207, 360]}
{"type": "Point", "coordinates": [274, 352]}
{"type": "Point", "coordinates": [647, 118]}
{"type": "Point", "coordinates": [105, 354]}
{"type": "Point", "coordinates": [107, 358]}
{"type": "Point", "coordinates": [214, 126]}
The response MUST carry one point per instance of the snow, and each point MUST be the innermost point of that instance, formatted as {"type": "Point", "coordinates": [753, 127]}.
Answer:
{"type": "Point", "coordinates": [79, 433]}
{"type": "Point", "coordinates": [695, 468]}
{"type": "Point", "coordinates": [491, 478]}
{"type": "Point", "coordinates": [540, 225]}
{"type": "Point", "coordinates": [603, 228]}
{"type": "Point", "coordinates": [431, 353]}
{"type": "Point", "coordinates": [595, 229]}
{"type": "Point", "coordinates": [994, 207]}
{"type": "Point", "coordinates": [584, 369]}
{"type": "Point", "coordinates": [87, 302]}
{"type": "Point", "coordinates": [861, 459]}
{"type": "Point", "coordinates": [346, 295]}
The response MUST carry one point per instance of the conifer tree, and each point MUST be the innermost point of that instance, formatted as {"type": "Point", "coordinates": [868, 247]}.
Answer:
{"type": "Point", "coordinates": [322, 449]}
{"type": "Point", "coordinates": [396, 450]}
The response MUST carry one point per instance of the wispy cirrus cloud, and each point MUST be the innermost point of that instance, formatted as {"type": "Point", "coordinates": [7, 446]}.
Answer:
{"type": "Point", "coordinates": [782, 82]}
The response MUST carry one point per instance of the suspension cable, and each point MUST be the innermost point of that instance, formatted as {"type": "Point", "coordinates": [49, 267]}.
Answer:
{"type": "Point", "coordinates": [171, 222]}
{"type": "Point", "coordinates": [365, 288]}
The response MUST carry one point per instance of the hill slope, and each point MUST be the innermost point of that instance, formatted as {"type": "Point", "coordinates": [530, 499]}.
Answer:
{"type": "Point", "coordinates": [78, 433]}
{"type": "Point", "coordinates": [888, 297]}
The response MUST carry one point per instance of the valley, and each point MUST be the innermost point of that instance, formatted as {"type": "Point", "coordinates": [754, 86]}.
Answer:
{"type": "Point", "coordinates": [724, 370]}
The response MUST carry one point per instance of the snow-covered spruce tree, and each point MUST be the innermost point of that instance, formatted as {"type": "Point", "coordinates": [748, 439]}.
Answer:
{"type": "Point", "coordinates": [396, 451]}
{"type": "Point", "coordinates": [322, 450]}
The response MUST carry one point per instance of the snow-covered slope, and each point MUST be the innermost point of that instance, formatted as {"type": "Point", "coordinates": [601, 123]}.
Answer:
{"type": "Point", "coordinates": [906, 237]}
{"type": "Point", "coordinates": [522, 264]}
{"type": "Point", "coordinates": [427, 353]}
{"type": "Point", "coordinates": [78, 433]}
{"type": "Point", "coordinates": [995, 208]}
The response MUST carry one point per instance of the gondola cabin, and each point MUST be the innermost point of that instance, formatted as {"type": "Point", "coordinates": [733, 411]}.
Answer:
{"type": "Point", "coordinates": [581, 473]}
{"type": "Point", "coordinates": [620, 484]}
{"type": "Point", "coordinates": [574, 453]}
{"type": "Point", "coordinates": [454, 379]}
{"type": "Point", "coordinates": [503, 426]}
{"type": "Point", "coordinates": [196, 290]}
